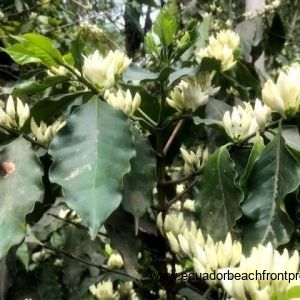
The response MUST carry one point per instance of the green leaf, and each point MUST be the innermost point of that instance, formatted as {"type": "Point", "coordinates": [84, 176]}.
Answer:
{"type": "Point", "coordinates": [91, 155]}
{"type": "Point", "coordinates": [187, 71]}
{"type": "Point", "coordinates": [256, 150]}
{"type": "Point", "coordinates": [53, 107]}
{"type": "Point", "coordinates": [209, 64]}
{"type": "Point", "coordinates": [275, 174]}
{"type": "Point", "coordinates": [165, 27]}
{"type": "Point", "coordinates": [34, 48]}
{"type": "Point", "coordinates": [136, 73]}
{"type": "Point", "coordinates": [139, 183]}
{"type": "Point", "coordinates": [21, 55]}
{"type": "Point", "coordinates": [32, 86]}
{"type": "Point", "coordinates": [218, 199]}
{"type": "Point", "coordinates": [20, 190]}
{"type": "Point", "coordinates": [292, 137]}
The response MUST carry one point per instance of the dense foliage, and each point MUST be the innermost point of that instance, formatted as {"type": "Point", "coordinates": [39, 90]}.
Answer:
{"type": "Point", "coordinates": [160, 140]}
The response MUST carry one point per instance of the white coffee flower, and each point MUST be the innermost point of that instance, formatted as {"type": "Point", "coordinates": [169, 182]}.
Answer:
{"type": "Point", "coordinates": [99, 70]}
{"type": "Point", "coordinates": [264, 260]}
{"type": "Point", "coordinates": [189, 205]}
{"type": "Point", "coordinates": [193, 160]}
{"type": "Point", "coordinates": [241, 123]}
{"type": "Point", "coordinates": [104, 291]}
{"type": "Point", "coordinates": [284, 95]}
{"type": "Point", "coordinates": [262, 113]}
{"type": "Point", "coordinates": [124, 101]}
{"type": "Point", "coordinates": [222, 47]}
{"type": "Point", "coordinates": [191, 93]}
{"type": "Point", "coordinates": [102, 71]}
{"type": "Point", "coordinates": [126, 291]}
{"type": "Point", "coordinates": [115, 261]}
{"type": "Point", "coordinates": [44, 134]}
{"type": "Point", "coordinates": [15, 115]}
{"type": "Point", "coordinates": [120, 61]}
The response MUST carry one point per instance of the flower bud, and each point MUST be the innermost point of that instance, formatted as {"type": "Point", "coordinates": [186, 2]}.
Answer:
{"type": "Point", "coordinates": [104, 290]}
{"type": "Point", "coordinates": [124, 101]}
{"type": "Point", "coordinates": [44, 134]}
{"type": "Point", "coordinates": [284, 95]}
{"type": "Point", "coordinates": [115, 261]}
{"type": "Point", "coordinates": [191, 93]}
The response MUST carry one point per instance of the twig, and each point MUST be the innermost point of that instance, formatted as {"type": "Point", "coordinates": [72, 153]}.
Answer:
{"type": "Point", "coordinates": [24, 11]}
{"type": "Point", "coordinates": [80, 226]}
{"type": "Point", "coordinates": [88, 263]}
{"type": "Point", "coordinates": [172, 137]}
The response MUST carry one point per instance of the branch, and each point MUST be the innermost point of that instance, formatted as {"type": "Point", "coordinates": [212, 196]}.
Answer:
{"type": "Point", "coordinates": [179, 180]}
{"type": "Point", "coordinates": [88, 263]}
{"type": "Point", "coordinates": [78, 225]}
{"type": "Point", "coordinates": [172, 137]}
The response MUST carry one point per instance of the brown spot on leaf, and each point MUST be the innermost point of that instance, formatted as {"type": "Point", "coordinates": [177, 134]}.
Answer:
{"type": "Point", "coordinates": [8, 168]}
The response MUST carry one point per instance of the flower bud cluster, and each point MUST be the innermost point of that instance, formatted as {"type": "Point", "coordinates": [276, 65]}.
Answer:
{"type": "Point", "coordinates": [263, 259]}
{"type": "Point", "coordinates": [44, 134]}
{"type": "Point", "coordinates": [244, 121]}
{"type": "Point", "coordinates": [102, 71]}
{"type": "Point", "coordinates": [192, 93]}
{"type": "Point", "coordinates": [123, 101]}
{"type": "Point", "coordinates": [187, 240]}
{"type": "Point", "coordinates": [222, 47]}
{"type": "Point", "coordinates": [284, 96]}
{"type": "Point", "coordinates": [193, 160]}
{"type": "Point", "coordinates": [15, 114]}
{"type": "Point", "coordinates": [105, 291]}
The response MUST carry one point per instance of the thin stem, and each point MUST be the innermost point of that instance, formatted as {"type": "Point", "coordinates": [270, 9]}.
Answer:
{"type": "Point", "coordinates": [80, 78]}
{"type": "Point", "coordinates": [147, 117]}
{"type": "Point", "coordinates": [78, 225]}
{"type": "Point", "coordinates": [172, 137]}
{"type": "Point", "coordinates": [142, 120]}
{"type": "Point", "coordinates": [85, 262]}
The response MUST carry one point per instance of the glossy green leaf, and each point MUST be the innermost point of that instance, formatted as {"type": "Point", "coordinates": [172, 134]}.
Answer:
{"type": "Point", "coordinates": [34, 47]}
{"type": "Point", "coordinates": [218, 199]}
{"type": "Point", "coordinates": [134, 73]}
{"type": "Point", "coordinates": [20, 190]}
{"type": "Point", "coordinates": [165, 27]}
{"type": "Point", "coordinates": [21, 55]}
{"type": "Point", "coordinates": [256, 150]}
{"type": "Point", "coordinates": [275, 174]}
{"type": "Point", "coordinates": [91, 155]}
{"type": "Point", "coordinates": [32, 86]}
{"type": "Point", "coordinates": [139, 183]}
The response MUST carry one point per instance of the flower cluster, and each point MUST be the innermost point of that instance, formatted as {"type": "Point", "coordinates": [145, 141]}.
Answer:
{"type": "Point", "coordinates": [263, 259]}
{"type": "Point", "coordinates": [44, 134]}
{"type": "Point", "coordinates": [244, 121]}
{"type": "Point", "coordinates": [187, 240]}
{"type": "Point", "coordinates": [102, 71]}
{"type": "Point", "coordinates": [15, 115]}
{"type": "Point", "coordinates": [222, 47]}
{"type": "Point", "coordinates": [193, 160]}
{"type": "Point", "coordinates": [187, 205]}
{"type": "Point", "coordinates": [284, 95]}
{"type": "Point", "coordinates": [123, 101]}
{"type": "Point", "coordinates": [192, 92]}
{"type": "Point", "coordinates": [105, 291]}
